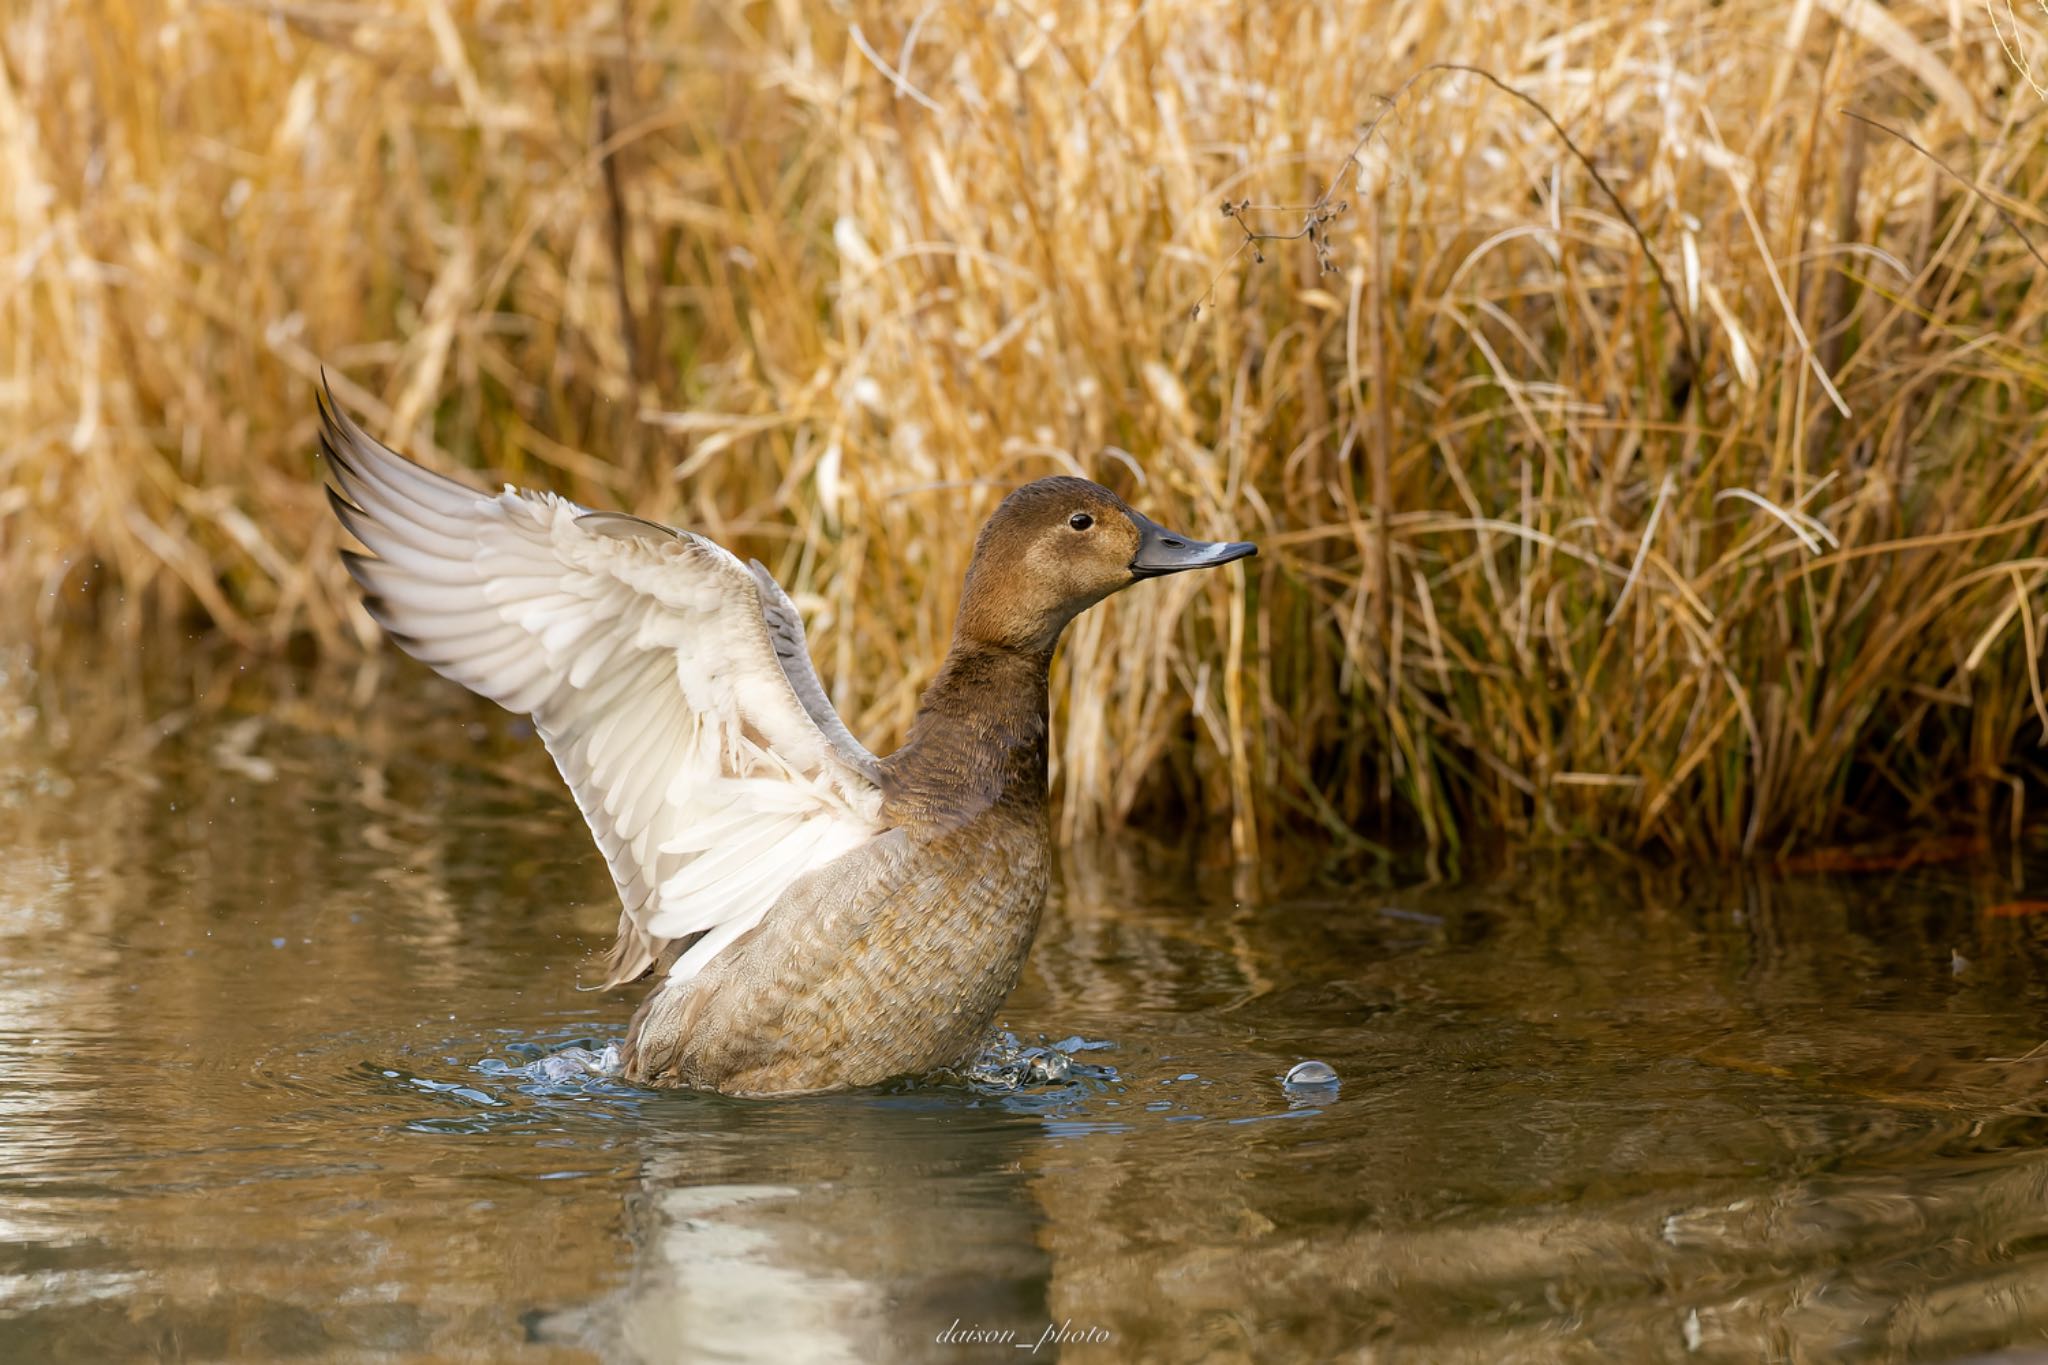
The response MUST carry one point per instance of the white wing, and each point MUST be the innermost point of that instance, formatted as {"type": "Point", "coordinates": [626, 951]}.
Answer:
{"type": "Point", "coordinates": [649, 661]}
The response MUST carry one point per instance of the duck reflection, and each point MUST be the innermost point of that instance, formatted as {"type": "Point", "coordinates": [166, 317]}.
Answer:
{"type": "Point", "coordinates": [859, 1227]}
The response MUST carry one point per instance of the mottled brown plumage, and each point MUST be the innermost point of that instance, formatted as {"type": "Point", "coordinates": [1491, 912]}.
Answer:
{"type": "Point", "coordinates": [821, 918]}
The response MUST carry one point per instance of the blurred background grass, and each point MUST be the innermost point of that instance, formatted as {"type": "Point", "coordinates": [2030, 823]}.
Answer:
{"type": "Point", "coordinates": [1741, 558]}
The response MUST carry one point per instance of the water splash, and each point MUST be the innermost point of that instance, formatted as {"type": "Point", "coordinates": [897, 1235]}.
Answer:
{"type": "Point", "coordinates": [569, 1066]}
{"type": "Point", "coordinates": [1007, 1066]}
{"type": "Point", "coordinates": [584, 1064]}
{"type": "Point", "coordinates": [528, 1083]}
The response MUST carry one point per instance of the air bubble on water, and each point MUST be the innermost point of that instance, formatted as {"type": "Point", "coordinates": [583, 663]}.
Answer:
{"type": "Point", "coordinates": [1310, 1073]}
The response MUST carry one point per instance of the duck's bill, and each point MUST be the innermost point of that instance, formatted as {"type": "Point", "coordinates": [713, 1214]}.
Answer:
{"type": "Point", "coordinates": [1161, 551]}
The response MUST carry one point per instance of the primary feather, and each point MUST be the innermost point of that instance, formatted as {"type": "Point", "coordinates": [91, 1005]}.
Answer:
{"type": "Point", "coordinates": [671, 685]}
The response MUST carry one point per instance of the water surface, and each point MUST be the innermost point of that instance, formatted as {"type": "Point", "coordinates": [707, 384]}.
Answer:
{"type": "Point", "coordinates": [276, 971]}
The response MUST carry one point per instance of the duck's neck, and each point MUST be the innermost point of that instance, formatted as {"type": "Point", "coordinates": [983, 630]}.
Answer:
{"type": "Point", "coordinates": [978, 742]}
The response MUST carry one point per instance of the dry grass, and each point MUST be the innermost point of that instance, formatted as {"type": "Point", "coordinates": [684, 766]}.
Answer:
{"type": "Point", "coordinates": [824, 282]}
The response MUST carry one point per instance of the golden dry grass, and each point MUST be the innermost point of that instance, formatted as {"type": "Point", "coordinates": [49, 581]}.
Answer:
{"type": "Point", "coordinates": [822, 282]}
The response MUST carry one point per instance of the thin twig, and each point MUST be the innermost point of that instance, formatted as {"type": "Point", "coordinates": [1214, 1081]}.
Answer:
{"type": "Point", "coordinates": [1320, 212]}
{"type": "Point", "coordinates": [1656, 267]}
{"type": "Point", "coordinates": [1959, 178]}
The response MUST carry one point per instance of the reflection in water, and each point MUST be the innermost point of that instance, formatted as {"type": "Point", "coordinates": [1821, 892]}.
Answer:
{"type": "Point", "coordinates": [834, 1229]}
{"type": "Point", "coordinates": [289, 1065]}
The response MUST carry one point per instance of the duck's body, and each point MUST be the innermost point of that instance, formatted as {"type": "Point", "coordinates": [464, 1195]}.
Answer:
{"type": "Point", "coordinates": [892, 959]}
{"type": "Point", "coordinates": [822, 918]}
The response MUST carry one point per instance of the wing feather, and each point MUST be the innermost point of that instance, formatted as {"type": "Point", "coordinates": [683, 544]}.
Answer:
{"type": "Point", "coordinates": [786, 632]}
{"type": "Point", "coordinates": [669, 682]}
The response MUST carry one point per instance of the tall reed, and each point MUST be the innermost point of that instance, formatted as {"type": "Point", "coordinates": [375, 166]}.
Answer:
{"type": "Point", "coordinates": [1686, 490]}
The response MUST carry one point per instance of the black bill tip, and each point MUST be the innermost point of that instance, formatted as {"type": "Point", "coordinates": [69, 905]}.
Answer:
{"type": "Point", "coordinates": [1161, 551]}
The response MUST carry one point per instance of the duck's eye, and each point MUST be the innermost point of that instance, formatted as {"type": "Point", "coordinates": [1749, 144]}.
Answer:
{"type": "Point", "coordinates": [1080, 521]}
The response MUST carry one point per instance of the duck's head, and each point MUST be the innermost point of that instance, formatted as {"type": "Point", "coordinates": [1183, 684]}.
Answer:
{"type": "Point", "coordinates": [1056, 547]}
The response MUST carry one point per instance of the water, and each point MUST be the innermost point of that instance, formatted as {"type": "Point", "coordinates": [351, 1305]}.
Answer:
{"type": "Point", "coordinates": [293, 1064]}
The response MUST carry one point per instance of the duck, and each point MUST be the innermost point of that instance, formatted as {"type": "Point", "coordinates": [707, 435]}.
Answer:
{"type": "Point", "coordinates": [819, 918]}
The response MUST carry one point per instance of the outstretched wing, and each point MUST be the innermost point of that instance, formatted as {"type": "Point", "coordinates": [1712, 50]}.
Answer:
{"type": "Point", "coordinates": [712, 771]}
{"type": "Point", "coordinates": [786, 631]}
